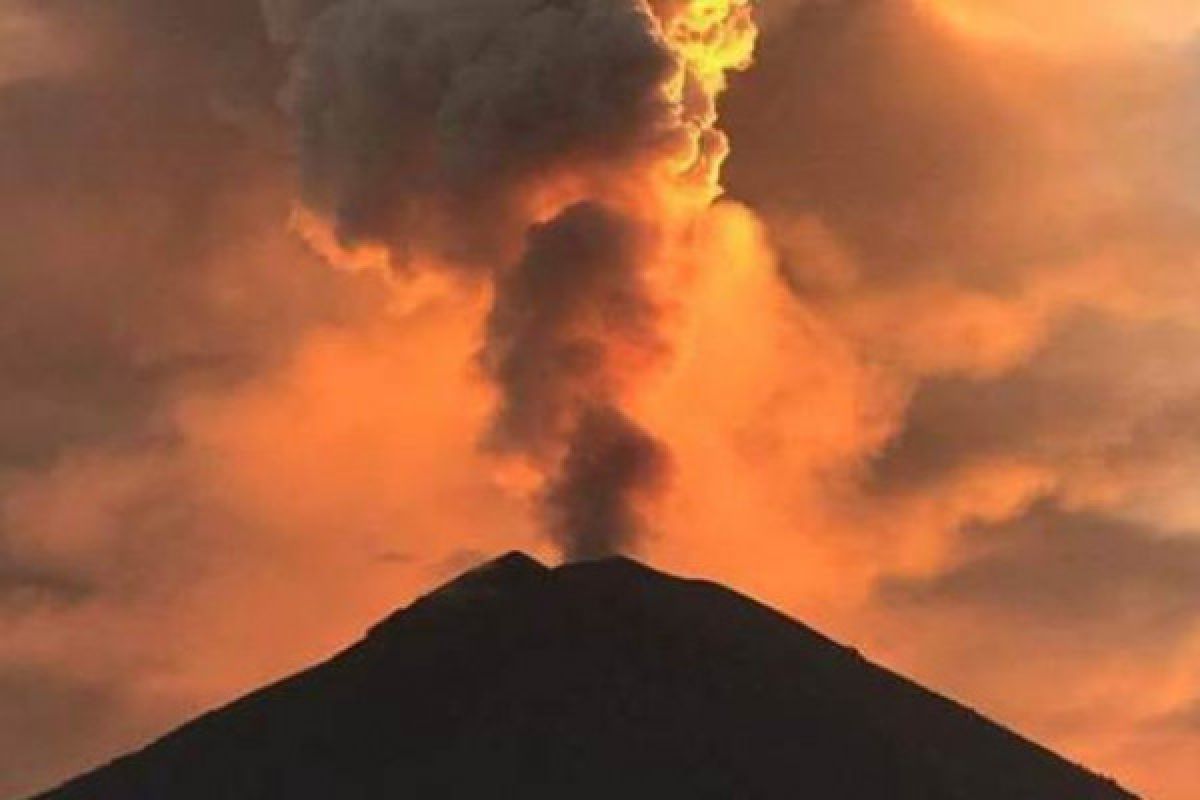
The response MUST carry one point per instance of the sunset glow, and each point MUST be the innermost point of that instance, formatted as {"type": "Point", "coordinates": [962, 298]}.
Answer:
{"type": "Point", "coordinates": [884, 313]}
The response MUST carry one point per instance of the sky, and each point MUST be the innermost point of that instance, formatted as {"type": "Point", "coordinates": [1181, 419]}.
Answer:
{"type": "Point", "coordinates": [892, 326]}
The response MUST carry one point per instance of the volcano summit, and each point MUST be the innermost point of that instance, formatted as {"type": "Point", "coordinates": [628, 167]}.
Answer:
{"type": "Point", "coordinates": [594, 680]}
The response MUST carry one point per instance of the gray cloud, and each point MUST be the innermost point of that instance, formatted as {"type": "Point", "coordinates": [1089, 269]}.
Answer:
{"type": "Point", "coordinates": [128, 183]}
{"type": "Point", "coordinates": [52, 723]}
{"type": "Point", "coordinates": [25, 586]}
{"type": "Point", "coordinates": [423, 125]}
{"type": "Point", "coordinates": [145, 258]}
{"type": "Point", "coordinates": [1187, 718]}
{"type": "Point", "coordinates": [1118, 395]}
{"type": "Point", "coordinates": [932, 159]}
{"type": "Point", "coordinates": [1095, 580]}
{"type": "Point", "coordinates": [870, 115]}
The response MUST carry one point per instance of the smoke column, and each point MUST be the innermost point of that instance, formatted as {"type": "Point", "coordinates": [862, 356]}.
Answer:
{"type": "Point", "coordinates": [559, 151]}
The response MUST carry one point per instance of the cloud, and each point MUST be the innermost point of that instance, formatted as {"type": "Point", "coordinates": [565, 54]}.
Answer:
{"type": "Point", "coordinates": [1098, 581]}
{"type": "Point", "coordinates": [433, 129]}
{"type": "Point", "coordinates": [144, 263]}
{"type": "Point", "coordinates": [1096, 620]}
{"type": "Point", "coordinates": [929, 365]}
{"type": "Point", "coordinates": [972, 195]}
{"type": "Point", "coordinates": [134, 258]}
{"type": "Point", "coordinates": [1074, 24]}
{"type": "Point", "coordinates": [1003, 231]}
{"type": "Point", "coordinates": [41, 707]}
{"type": "Point", "coordinates": [1107, 400]}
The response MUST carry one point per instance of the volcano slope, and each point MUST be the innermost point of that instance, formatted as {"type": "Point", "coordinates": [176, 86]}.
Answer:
{"type": "Point", "coordinates": [596, 680]}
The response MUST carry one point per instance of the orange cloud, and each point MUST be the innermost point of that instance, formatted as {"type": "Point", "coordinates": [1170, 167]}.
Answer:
{"type": "Point", "coordinates": [930, 384]}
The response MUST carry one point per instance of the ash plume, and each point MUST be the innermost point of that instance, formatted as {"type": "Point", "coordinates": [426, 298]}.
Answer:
{"type": "Point", "coordinates": [430, 126]}
{"type": "Point", "coordinates": [593, 505]}
{"type": "Point", "coordinates": [569, 329]}
{"type": "Point", "coordinates": [990, 227]}
{"type": "Point", "coordinates": [568, 326]}
{"type": "Point", "coordinates": [556, 150]}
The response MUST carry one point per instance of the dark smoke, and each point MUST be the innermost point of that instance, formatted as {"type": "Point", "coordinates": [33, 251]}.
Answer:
{"type": "Point", "coordinates": [435, 129]}
{"type": "Point", "coordinates": [568, 326]}
{"type": "Point", "coordinates": [593, 507]}
{"type": "Point", "coordinates": [425, 126]}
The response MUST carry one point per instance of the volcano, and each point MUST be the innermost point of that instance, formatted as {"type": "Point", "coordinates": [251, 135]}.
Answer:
{"type": "Point", "coordinates": [603, 679]}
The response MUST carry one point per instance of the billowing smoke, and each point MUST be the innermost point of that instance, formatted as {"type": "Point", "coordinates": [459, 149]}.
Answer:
{"type": "Point", "coordinates": [559, 150]}
{"type": "Point", "coordinates": [592, 505]}
{"type": "Point", "coordinates": [966, 441]}
{"type": "Point", "coordinates": [432, 127]}
{"type": "Point", "coordinates": [570, 325]}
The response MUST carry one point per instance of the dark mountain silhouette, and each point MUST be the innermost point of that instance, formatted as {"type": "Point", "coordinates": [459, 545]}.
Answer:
{"type": "Point", "coordinates": [597, 680]}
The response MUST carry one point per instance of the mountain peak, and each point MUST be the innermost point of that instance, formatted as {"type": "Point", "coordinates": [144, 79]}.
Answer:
{"type": "Point", "coordinates": [595, 679]}
{"type": "Point", "coordinates": [512, 561]}
{"type": "Point", "coordinates": [511, 569]}
{"type": "Point", "coordinates": [506, 575]}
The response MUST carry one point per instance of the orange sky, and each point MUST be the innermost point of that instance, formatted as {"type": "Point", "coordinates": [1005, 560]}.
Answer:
{"type": "Point", "coordinates": [932, 383]}
{"type": "Point", "coordinates": [1073, 24]}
